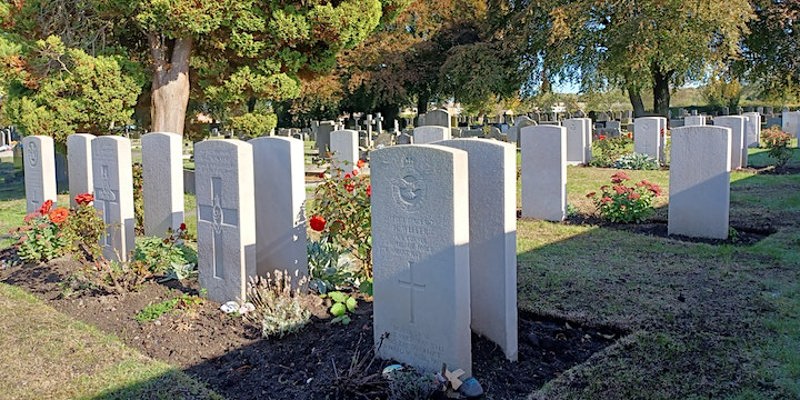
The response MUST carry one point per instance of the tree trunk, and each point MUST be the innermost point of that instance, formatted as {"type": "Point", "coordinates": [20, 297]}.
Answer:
{"type": "Point", "coordinates": [170, 94]}
{"type": "Point", "coordinates": [661, 91]}
{"type": "Point", "coordinates": [422, 103]}
{"type": "Point", "coordinates": [635, 95]}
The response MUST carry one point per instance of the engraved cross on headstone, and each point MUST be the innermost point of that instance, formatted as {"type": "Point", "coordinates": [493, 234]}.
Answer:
{"type": "Point", "coordinates": [412, 286]}
{"type": "Point", "coordinates": [105, 198]}
{"type": "Point", "coordinates": [218, 217]}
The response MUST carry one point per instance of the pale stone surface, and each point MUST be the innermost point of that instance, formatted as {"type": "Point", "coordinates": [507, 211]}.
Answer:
{"type": "Point", "coordinates": [162, 186]}
{"type": "Point", "coordinates": [226, 223]}
{"type": "Point", "coordinates": [576, 140]}
{"type": "Point", "coordinates": [737, 125]}
{"type": "Point", "coordinates": [647, 137]}
{"type": "Point", "coordinates": [79, 161]}
{"type": "Point", "coordinates": [280, 199]}
{"type": "Point", "coordinates": [519, 123]}
{"type": "Point", "coordinates": [420, 233]}
{"type": "Point", "coordinates": [544, 172]}
{"type": "Point", "coordinates": [587, 126]}
{"type": "Point", "coordinates": [438, 118]}
{"type": "Point", "coordinates": [492, 239]}
{"type": "Point", "coordinates": [662, 141]}
{"type": "Point", "coordinates": [694, 120]}
{"type": "Point", "coordinates": [323, 137]}
{"type": "Point", "coordinates": [40, 171]}
{"type": "Point", "coordinates": [112, 174]}
{"type": "Point", "coordinates": [752, 129]}
{"type": "Point", "coordinates": [430, 134]}
{"type": "Point", "coordinates": [699, 182]}
{"type": "Point", "coordinates": [404, 138]}
{"type": "Point", "coordinates": [344, 146]}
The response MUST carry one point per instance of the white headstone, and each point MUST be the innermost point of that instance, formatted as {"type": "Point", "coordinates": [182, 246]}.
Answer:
{"type": "Point", "coordinates": [79, 165]}
{"type": "Point", "coordinates": [430, 134]}
{"type": "Point", "coordinates": [344, 146]}
{"type": "Point", "coordinates": [790, 122]}
{"type": "Point", "coordinates": [519, 123]}
{"type": "Point", "coordinates": [737, 125]}
{"type": "Point", "coordinates": [587, 126]}
{"type": "Point", "coordinates": [112, 174]}
{"type": "Point", "coordinates": [576, 141]}
{"type": "Point", "coordinates": [753, 129]}
{"type": "Point", "coordinates": [694, 120]}
{"type": "Point", "coordinates": [420, 238]}
{"type": "Point", "coordinates": [162, 174]}
{"type": "Point", "coordinates": [544, 172]}
{"type": "Point", "coordinates": [438, 118]}
{"type": "Point", "coordinates": [280, 206]}
{"type": "Point", "coordinates": [226, 223]}
{"type": "Point", "coordinates": [699, 182]}
{"type": "Point", "coordinates": [492, 239]}
{"type": "Point", "coordinates": [647, 137]}
{"type": "Point", "coordinates": [40, 171]}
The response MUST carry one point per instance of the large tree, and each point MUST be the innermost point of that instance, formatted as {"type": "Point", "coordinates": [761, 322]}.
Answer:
{"type": "Point", "coordinates": [631, 44]}
{"type": "Point", "coordinates": [233, 53]}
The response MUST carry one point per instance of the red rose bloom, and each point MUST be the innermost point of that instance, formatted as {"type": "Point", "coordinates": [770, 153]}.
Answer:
{"type": "Point", "coordinates": [369, 190]}
{"type": "Point", "coordinates": [349, 187]}
{"type": "Point", "coordinates": [601, 137]}
{"type": "Point", "coordinates": [317, 223]}
{"type": "Point", "coordinates": [45, 209]}
{"type": "Point", "coordinates": [360, 164]}
{"type": "Point", "coordinates": [59, 215]}
{"type": "Point", "coordinates": [84, 199]}
{"type": "Point", "coordinates": [347, 176]}
{"type": "Point", "coordinates": [355, 172]}
{"type": "Point", "coordinates": [182, 227]}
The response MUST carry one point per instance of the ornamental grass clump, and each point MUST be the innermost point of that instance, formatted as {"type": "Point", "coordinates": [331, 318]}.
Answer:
{"type": "Point", "coordinates": [280, 307]}
{"type": "Point", "coordinates": [620, 203]}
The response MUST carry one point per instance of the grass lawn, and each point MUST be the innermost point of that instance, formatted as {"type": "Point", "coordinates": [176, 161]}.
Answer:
{"type": "Point", "coordinates": [701, 320]}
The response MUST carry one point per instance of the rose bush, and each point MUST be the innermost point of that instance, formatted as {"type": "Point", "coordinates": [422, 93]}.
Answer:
{"type": "Point", "coordinates": [41, 237]}
{"type": "Point", "coordinates": [777, 142]}
{"type": "Point", "coordinates": [625, 204]}
{"type": "Point", "coordinates": [609, 149]}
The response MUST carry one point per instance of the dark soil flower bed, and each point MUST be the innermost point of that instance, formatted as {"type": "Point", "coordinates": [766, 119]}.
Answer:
{"type": "Point", "coordinates": [232, 358]}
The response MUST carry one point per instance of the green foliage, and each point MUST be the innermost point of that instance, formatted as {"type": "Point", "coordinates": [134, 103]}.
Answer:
{"type": "Point", "coordinates": [41, 239]}
{"type": "Point", "coordinates": [84, 229]}
{"type": "Point", "coordinates": [342, 305]}
{"type": "Point", "coordinates": [608, 150]}
{"type": "Point", "coordinates": [138, 197]}
{"type": "Point", "coordinates": [255, 124]}
{"type": "Point", "coordinates": [723, 93]}
{"type": "Point", "coordinates": [280, 309]}
{"type": "Point", "coordinates": [341, 214]}
{"type": "Point", "coordinates": [329, 267]}
{"type": "Point", "coordinates": [620, 203]}
{"type": "Point", "coordinates": [56, 91]}
{"type": "Point", "coordinates": [154, 311]}
{"type": "Point", "coordinates": [166, 255]}
{"type": "Point", "coordinates": [777, 142]}
{"type": "Point", "coordinates": [636, 161]}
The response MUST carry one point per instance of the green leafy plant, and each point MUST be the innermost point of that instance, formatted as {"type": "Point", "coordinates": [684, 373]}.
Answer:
{"type": "Point", "coordinates": [330, 268]}
{"type": "Point", "coordinates": [625, 204]}
{"type": "Point", "coordinates": [154, 311]}
{"type": "Point", "coordinates": [341, 214]}
{"type": "Point", "coordinates": [138, 197]}
{"type": "Point", "coordinates": [777, 142]}
{"type": "Point", "coordinates": [84, 229]}
{"type": "Point", "coordinates": [280, 308]}
{"type": "Point", "coordinates": [608, 150]}
{"type": "Point", "coordinates": [636, 161]}
{"type": "Point", "coordinates": [41, 238]}
{"type": "Point", "coordinates": [343, 304]}
{"type": "Point", "coordinates": [169, 255]}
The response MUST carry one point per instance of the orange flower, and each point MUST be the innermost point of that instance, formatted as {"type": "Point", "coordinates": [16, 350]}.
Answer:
{"type": "Point", "coordinates": [360, 164]}
{"type": "Point", "coordinates": [601, 137]}
{"type": "Point", "coordinates": [84, 199]}
{"type": "Point", "coordinates": [59, 215]}
{"type": "Point", "coordinates": [634, 196]}
{"type": "Point", "coordinates": [45, 209]}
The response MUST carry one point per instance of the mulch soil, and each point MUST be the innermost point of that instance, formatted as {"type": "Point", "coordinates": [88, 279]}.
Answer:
{"type": "Point", "coordinates": [229, 355]}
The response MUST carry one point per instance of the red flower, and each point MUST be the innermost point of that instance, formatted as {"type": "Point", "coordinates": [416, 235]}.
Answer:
{"type": "Point", "coordinates": [182, 227]}
{"type": "Point", "coordinates": [601, 137]}
{"type": "Point", "coordinates": [620, 189]}
{"type": "Point", "coordinates": [322, 175]}
{"type": "Point", "coordinates": [655, 189]}
{"type": "Point", "coordinates": [355, 172]}
{"type": "Point", "coordinates": [360, 164]}
{"type": "Point", "coordinates": [605, 200]}
{"type": "Point", "coordinates": [347, 176]}
{"type": "Point", "coordinates": [590, 195]}
{"type": "Point", "coordinates": [369, 190]}
{"type": "Point", "coordinates": [317, 223]}
{"type": "Point", "coordinates": [619, 177]}
{"type": "Point", "coordinates": [45, 209]}
{"type": "Point", "coordinates": [349, 187]}
{"type": "Point", "coordinates": [630, 135]}
{"type": "Point", "coordinates": [634, 196]}
{"type": "Point", "coordinates": [59, 215]}
{"type": "Point", "coordinates": [84, 199]}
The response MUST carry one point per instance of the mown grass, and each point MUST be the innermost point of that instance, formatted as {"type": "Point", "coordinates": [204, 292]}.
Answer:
{"type": "Point", "coordinates": [48, 355]}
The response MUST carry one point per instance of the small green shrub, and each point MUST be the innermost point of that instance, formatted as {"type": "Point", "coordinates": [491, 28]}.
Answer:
{"type": "Point", "coordinates": [777, 142]}
{"type": "Point", "coordinates": [330, 268]}
{"type": "Point", "coordinates": [168, 256]}
{"type": "Point", "coordinates": [636, 161]}
{"type": "Point", "coordinates": [608, 150]}
{"type": "Point", "coordinates": [84, 229]}
{"type": "Point", "coordinates": [625, 204]}
{"type": "Point", "coordinates": [343, 304]}
{"type": "Point", "coordinates": [280, 309]}
{"type": "Point", "coordinates": [154, 311]}
{"type": "Point", "coordinates": [41, 238]}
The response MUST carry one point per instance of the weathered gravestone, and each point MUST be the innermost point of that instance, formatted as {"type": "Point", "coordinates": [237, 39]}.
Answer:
{"type": "Point", "coordinates": [492, 239]}
{"type": "Point", "coordinates": [280, 198]}
{"type": "Point", "coordinates": [737, 125]}
{"type": "Point", "coordinates": [576, 140]}
{"type": "Point", "coordinates": [438, 118]}
{"type": "Point", "coordinates": [699, 182]}
{"type": "Point", "coordinates": [112, 174]}
{"type": "Point", "coordinates": [752, 129]}
{"type": "Point", "coordinates": [647, 137]}
{"type": "Point", "coordinates": [344, 146]}
{"type": "Point", "coordinates": [420, 236]}
{"type": "Point", "coordinates": [404, 138]}
{"type": "Point", "coordinates": [324, 137]}
{"type": "Point", "coordinates": [544, 172]}
{"type": "Point", "coordinates": [162, 186]}
{"type": "Point", "coordinates": [384, 139]}
{"type": "Point", "coordinates": [40, 171]}
{"type": "Point", "coordinates": [430, 134]}
{"type": "Point", "coordinates": [79, 161]}
{"type": "Point", "coordinates": [694, 120]}
{"type": "Point", "coordinates": [519, 123]}
{"type": "Point", "coordinates": [226, 223]}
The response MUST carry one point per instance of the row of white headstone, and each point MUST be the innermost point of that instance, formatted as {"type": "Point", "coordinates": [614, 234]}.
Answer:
{"type": "Point", "coordinates": [745, 133]}
{"type": "Point", "coordinates": [250, 199]}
